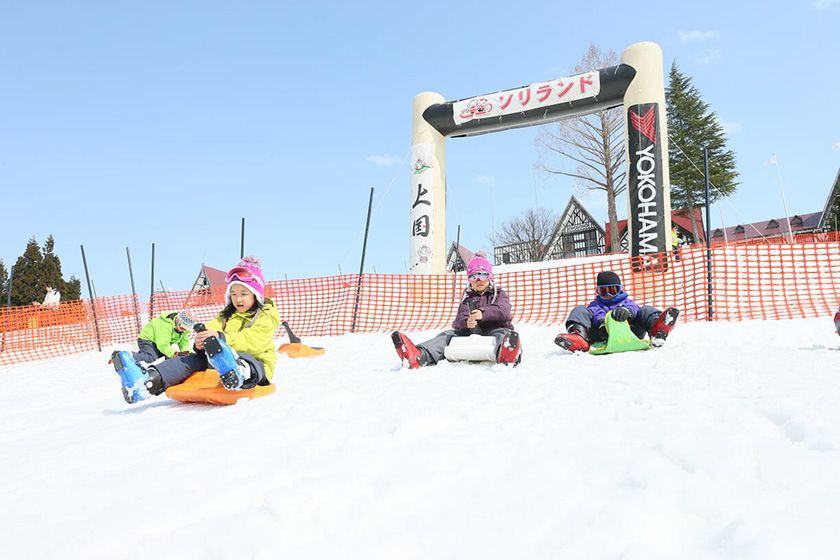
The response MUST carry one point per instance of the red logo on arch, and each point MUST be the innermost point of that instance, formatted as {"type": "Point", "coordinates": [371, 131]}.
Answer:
{"type": "Point", "coordinates": [646, 124]}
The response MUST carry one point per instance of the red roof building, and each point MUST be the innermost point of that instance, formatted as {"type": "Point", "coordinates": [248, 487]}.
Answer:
{"type": "Point", "coordinates": [678, 218]}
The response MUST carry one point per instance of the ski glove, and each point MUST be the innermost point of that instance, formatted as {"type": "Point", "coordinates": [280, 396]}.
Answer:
{"type": "Point", "coordinates": [622, 314]}
{"type": "Point", "coordinates": [180, 354]}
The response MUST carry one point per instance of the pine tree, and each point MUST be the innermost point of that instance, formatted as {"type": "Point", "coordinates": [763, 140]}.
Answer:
{"type": "Point", "coordinates": [26, 287]}
{"type": "Point", "coordinates": [72, 289]}
{"type": "Point", "coordinates": [691, 128]}
{"type": "Point", "coordinates": [50, 267]}
{"type": "Point", "coordinates": [4, 280]}
{"type": "Point", "coordinates": [35, 269]}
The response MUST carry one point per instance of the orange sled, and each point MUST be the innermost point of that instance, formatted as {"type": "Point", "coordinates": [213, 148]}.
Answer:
{"type": "Point", "coordinates": [205, 387]}
{"type": "Point", "coordinates": [297, 349]}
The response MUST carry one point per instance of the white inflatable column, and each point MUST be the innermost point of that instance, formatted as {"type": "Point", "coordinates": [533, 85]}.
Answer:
{"type": "Point", "coordinates": [427, 252]}
{"type": "Point", "coordinates": [646, 151]}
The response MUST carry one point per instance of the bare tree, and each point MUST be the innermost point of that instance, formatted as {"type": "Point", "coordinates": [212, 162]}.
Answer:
{"type": "Point", "coordinates": [529, 233]}
{"type": "Point", "coordinates": [594, 144]}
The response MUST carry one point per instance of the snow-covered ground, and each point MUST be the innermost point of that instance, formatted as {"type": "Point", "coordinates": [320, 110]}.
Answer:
{"type": "Point", "coordinates": [725, 443]}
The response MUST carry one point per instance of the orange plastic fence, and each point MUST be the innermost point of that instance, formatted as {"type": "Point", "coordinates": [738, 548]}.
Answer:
{"type": "Point", "coordinates": [767, 281]}
{"type": "Point", "coordinates": [816, 237]}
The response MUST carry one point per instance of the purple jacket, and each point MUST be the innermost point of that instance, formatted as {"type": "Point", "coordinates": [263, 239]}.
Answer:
{"type": "Point", "coordinates": [600, 308]}
{"type": "Point", "coordinates": [495, 309]}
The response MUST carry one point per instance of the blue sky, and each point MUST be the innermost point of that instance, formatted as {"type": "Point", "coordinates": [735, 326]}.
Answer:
{"type": "Point", "coordinates": [126, 124]}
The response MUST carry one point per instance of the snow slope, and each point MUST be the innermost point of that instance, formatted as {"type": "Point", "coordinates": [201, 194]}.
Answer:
{"type": "Point", "coordinates": [725, 443]}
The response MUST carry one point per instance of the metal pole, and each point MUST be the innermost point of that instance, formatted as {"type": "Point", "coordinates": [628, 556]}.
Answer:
{"type": "Point", "coordinates": [152, 289]}
{"type": "Point", "coordinates": [457, 248]}
{"type": "Point", "coordinates": [787, 217]}
{"type": "Point", "coordinates": [362, 267]}
{"type": "Point", "coordinates": [708, 232]}
{"type": "Point", "coordinates": [92, 306]}
{"type": "Point", "coordinates": [455, 267]}
{"type": "Point", "coordinates": [242, 241]}
{"type": "Point", "coordinates": [133, 291]}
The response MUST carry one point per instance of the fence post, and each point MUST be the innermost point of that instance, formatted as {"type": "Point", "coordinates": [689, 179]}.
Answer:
{"type": "Point", "coordinates": [92, 305]}
{"type": "Point", "coordinates": [362, 267]}
{"type": "Point", "coordinates": [455, 266]}
{"type": "Point", "coordinates": [152, 289]}
{"type": "Point", "coordinates": [708, 234]}
{"type": "Point", "coordinates": [133, 291]}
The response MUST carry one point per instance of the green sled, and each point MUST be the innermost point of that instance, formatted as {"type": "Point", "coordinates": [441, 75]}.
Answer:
{"type": "Point", "coordinates": [619, 338]}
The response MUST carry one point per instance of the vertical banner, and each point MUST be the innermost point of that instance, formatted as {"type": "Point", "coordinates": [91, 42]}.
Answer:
{"type": "Point", "coordinates": [422, 208]}
{"type": "Point", "coordinates": [645, 186]}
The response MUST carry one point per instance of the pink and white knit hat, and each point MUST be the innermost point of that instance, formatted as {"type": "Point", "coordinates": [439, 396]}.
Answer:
{"type": "Point", "coordinates": [247, 273]}
{"type": "Point", "coordinates": [480, 264]}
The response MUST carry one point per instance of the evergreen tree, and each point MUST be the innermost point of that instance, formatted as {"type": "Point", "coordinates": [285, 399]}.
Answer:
{"type": "Point", "coordinates": [25, 287]}
{"type": "Point", "coordinates": [72, 289]}
{"type": "Point", "coordinates": [4, 280]}
{"type": "Point", "coordinates": [691, 128]}
{"type": "Point", "coordinates": [35, 269]}
{"type": "Point", "coordinates": [50, 272]}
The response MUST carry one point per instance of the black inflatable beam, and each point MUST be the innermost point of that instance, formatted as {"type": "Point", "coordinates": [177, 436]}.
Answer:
{"type": "Point", "coordinates": [614, 83]}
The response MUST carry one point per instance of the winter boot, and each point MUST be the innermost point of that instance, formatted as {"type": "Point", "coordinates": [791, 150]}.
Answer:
{"type": "Point", "coordinates": [154, 382]}
{"type": "Point", "coordinates": [407, 351]}
{"type": "Point", "coordinates": [663, 325]}
{"type": "Point", "coordinates": [510, 350]}
{"type": "Point", "coordinates": [133, 378]}
{"type": "Point", "coordinates": [575, 340]}
{"type": "Point", "coordinates": [233, 371]}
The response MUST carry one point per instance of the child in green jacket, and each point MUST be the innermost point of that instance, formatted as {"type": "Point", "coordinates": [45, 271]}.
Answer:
{"type": "Point", "coordinates": [157, 337]}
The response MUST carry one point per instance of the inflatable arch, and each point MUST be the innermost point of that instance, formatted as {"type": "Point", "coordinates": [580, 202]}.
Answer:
{"type": "Point", "coordinates": [638, 83]}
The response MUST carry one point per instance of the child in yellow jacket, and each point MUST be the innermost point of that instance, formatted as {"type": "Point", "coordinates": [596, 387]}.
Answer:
{"type": "Point", "coordinates": [238, 343]}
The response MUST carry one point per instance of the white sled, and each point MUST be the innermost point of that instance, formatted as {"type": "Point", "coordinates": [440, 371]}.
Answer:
{"type": "Point", "coordinates": [473, 348]}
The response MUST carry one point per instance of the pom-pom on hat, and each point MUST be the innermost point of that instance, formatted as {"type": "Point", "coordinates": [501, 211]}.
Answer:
{"type": "Point", "coordinates": [608, 278]}
{"type": "Point", "coordinates": [247, 273]}
{"type": "Point", "coordinates": [479, 263]}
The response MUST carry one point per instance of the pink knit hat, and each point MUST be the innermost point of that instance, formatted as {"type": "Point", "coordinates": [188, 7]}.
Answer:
{"type": "Point", "coordinates": [480, 264]}
{"type": "Point", "coordinates": [247, 273]}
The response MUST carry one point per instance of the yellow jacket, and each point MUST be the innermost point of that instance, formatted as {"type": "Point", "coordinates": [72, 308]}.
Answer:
{"type": "Point", "coordinates": [258, 339]}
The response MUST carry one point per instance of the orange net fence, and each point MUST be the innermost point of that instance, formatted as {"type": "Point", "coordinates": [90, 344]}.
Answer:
{"type": "Point", "coordinates": [737, 282]}
{"type": "Point", "coordinates": [811, 237]}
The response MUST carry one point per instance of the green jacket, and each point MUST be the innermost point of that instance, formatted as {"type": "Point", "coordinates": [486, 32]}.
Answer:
{"type": "Point", "coordinates": [258, 339]}
{"type": "Point", "coordinates": [161, 332]}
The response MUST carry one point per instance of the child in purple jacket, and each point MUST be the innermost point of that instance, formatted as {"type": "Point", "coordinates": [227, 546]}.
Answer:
{"type": "Point", "coordinates": [484, 309]}
{"type": "Point", "coordinates": [585, 324]}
